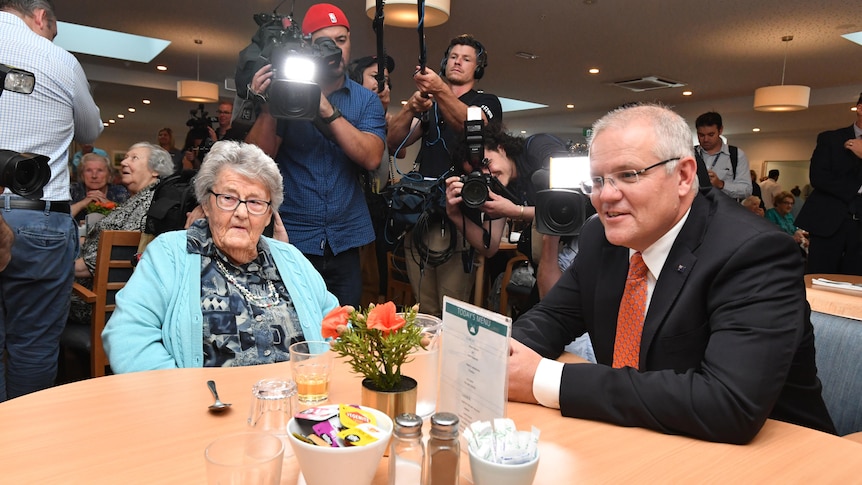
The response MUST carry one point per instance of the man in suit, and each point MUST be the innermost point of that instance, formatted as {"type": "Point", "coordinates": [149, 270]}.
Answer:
{"type": "Point", "coordinates": [832, 212]}
{"type": "Point", "coordinates": [725, 341]}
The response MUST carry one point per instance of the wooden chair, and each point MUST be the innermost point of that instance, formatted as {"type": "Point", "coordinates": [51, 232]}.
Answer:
{"type": "Point", "coordinates": [398, 287]}
{"type": "Point", "coordinates": [113, 269]}
{"type": "Point", "coordinates": [507, 276]}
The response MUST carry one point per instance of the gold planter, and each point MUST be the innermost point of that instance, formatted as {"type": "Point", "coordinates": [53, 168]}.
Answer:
{"type": "Point", "coordinates": [394, 402]}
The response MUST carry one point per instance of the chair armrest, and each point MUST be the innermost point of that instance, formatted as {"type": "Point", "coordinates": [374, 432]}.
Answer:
{"type": "Point", "coordinates": [85, 294]}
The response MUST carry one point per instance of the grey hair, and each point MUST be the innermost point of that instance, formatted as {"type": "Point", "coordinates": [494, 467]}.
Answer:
{"type": "Point", "coordinates": [244, 159]}
{"type": "Point", "coordinates": [673, 136]}
{"type": "Point", "coordinates": [159, 161]}
{"type": "Point", "coordinates": [28, 7]}
{"type": "Point", "coordinates": [95, 156]}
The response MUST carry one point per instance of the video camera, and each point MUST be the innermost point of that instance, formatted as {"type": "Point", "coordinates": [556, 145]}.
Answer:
{"type": "Point", "coordinates": [199, 123]}
{"type": "Point", "coordinates": [25, 174]}
{"type": "Point", "coordinates": [297, 66]}
{"type": "Point", "coordinates": [561, 205]}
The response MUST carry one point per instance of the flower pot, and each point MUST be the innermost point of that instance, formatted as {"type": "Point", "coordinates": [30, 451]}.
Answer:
{"type": "Point", "coordinates": [400, 400]}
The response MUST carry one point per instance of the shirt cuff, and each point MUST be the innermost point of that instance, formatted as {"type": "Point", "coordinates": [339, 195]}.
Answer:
{"type": "Point", "coordinates": [546, 383]}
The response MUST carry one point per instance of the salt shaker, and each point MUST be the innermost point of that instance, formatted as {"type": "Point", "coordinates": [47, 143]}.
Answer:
{"type": "Point", "coordinates": [407, 453]}
{"type": "Point", "coordinates": [444, 450]}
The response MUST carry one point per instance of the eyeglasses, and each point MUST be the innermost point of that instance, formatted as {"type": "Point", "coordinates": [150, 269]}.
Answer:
{"type": "Point", "coordinates": [230, 203]}
{"type": "Point", "coordinates": [618, 179]}
{"type": "Point", "coordinates": [224, 112]}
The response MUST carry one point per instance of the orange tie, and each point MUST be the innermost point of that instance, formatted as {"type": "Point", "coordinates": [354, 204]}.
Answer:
{"type": "Point", "coordinates": [630, 319]}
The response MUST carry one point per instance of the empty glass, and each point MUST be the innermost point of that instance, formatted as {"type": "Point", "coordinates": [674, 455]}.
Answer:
{"type": "Point", "coordinates": [272, 405]}
{"type": "Point", "coordinates": [425, 365]}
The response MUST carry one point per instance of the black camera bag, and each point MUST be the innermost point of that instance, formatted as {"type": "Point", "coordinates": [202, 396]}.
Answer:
{"type": "Point", "coordinates": [173, 197]}
{"type": "Point", "coordinates": [407, 200]}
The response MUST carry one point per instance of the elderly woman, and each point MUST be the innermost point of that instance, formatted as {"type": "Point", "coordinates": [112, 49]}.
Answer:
{"type": "Point", "coordinates": [94, 176]}
{"type": "Point", "coordinates": [144, 164]}
{"type": "Point", "coordinates": [781, 215]}
{"type": "Point", "coordinates": [220, 294]}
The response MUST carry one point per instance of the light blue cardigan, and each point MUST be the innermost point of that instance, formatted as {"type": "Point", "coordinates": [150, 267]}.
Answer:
{"type": "Point", "coordinates": [158, 322]}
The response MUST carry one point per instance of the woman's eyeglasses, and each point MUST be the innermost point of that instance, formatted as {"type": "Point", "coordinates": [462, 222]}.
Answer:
{"type": "Point", "coordinates": [230, 203]}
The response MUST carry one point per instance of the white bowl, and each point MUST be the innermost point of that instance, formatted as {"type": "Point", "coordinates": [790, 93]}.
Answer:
{"type": "Point", "coordinates": [488, 473]}
{"type": "Point", "coordinates": [322, 465]}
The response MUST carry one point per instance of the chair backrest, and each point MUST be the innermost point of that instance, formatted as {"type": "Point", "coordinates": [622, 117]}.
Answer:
{"type": "Point", "coordinates": [838, 342]}
{"type": "Point", "coordinates": [507, 277]}
{"type": "Point", "coordinates": [113, 270]}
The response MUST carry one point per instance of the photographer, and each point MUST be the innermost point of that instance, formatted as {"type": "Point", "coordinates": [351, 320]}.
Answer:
{"type": "Point", "coordinates": [324, 208]}
{"type": "Point", "coordinates": [36, 284]}
{"type": "Point", "coordinates": [510, 161]}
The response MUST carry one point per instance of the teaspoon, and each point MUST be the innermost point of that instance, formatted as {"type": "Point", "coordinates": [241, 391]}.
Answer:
{"type": "Point", "coordinates": [217, 406]}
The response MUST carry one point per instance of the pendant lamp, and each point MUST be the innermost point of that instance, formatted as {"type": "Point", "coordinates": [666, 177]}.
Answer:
{"type": "Point", "coordinates": [197, 91]}
{"type": "Point", "coordinates": [784, 97]}
{"type": "Point", "coordinates": [403, 13]}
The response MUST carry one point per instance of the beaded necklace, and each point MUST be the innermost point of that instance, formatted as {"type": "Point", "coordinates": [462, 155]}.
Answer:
{"type": "Point", "coordinates": [258, 301]}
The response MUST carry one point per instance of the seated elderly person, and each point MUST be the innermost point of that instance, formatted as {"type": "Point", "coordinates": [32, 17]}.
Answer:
{"type": "Point", "coordinates": [752, 203]}
{"type": "Point", "coordinates": [782, 215]}
{"type": "Point", "coordinates": [94, 176]}
{"type": "Point", "coordinates": [219, 294]}
{"type": "Point", "coordinates": [144, 164]}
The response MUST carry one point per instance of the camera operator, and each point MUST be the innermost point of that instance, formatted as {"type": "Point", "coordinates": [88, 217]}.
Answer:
{"type": "Point", "coordinates": [324, 208]}
{"type": "Point", "coordinates": [436, 113]}
{"type": "Point", "coordinates": [36, 285]}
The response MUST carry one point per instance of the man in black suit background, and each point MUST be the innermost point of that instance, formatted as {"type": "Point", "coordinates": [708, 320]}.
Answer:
{"type": "Point", "coordinates": [726, 341]}
{"type": "Point", "coordinates": [832, 212]}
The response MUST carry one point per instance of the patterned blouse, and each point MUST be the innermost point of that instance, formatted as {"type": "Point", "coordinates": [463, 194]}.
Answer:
{"type": "Point", "coordinates": [129, 216]}
{"type": "Point", "coordinates": [248, 315]}
{"type": "Point", "coordinates": [116, 193]}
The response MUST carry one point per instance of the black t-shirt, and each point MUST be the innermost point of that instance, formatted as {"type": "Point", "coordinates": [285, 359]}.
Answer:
{"type": "Point", "coordinates": [439, 139]}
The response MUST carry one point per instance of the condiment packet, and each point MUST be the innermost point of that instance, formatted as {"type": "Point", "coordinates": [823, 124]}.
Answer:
{"type": "Point", "coordinates": [502, 442]}
{"type": "Point", "coordinates": [346, 425]}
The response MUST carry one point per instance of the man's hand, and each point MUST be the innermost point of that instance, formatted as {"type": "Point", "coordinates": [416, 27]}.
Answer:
{"type": "Point", "coordinates": [855, 146]}
{"type": "Point", "coordinates": [418, 103]}
{"type": "Point", "coordinates": [260, 81]}
{"type": "Point", "coordinates": [195, 214]}
{"type": "Point", "coordinates": [429, 82]}
{"type": "Point", "coordinates": [523, 363]}
{"type": "Point", "coordinates": [715, 181]}
{"type": "Point", "coordinates": [279, 233]}
{"type": "Point", "coordinates": [453, 195]}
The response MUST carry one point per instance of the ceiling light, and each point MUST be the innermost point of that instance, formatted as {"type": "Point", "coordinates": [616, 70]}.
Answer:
{"type": "Point", "coordinates": [132, 110]}
{"type": "Point", "coordinates": [756, 130]}
{"type": "Point", "coordinates": [112, 121]}
{"type": "Point", "coordinates": [105, 124]}
{"type": "Point", "coordinates": [783, 97]}
{"type": "Point", "coordinates": [404, 102]}
{"type": "Point", "coordinates": [121, 116]}
{"type": "Point", "coordinates": [570, 106]}
{"type": "Point", "coordinates": [526, 55]}
{"type": "Point", "coordinates": [853, 109]}
{"type": "Point", "coordinates": [594, 70]}
{"type": "Point", "coordinates": [405, 13]}
{"type": "Point", "coordinates": [146, 101]}
{"type": "Point", "coordinates": [161, 68]}
{"type": "Point", "coordinates": [686, 93]}
{"type": "Point", "coordinates": [197, 91]}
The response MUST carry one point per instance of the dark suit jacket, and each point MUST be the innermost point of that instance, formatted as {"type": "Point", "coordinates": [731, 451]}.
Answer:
{"type": "Point", "coordinates": [836, 175]}
{"type": "Point", "coordinates": [727, 339]}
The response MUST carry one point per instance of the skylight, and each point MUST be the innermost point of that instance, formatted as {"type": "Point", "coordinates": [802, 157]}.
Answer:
{"type": "Point", "coordinates": [108, 43]}
{"type": "Point", "coordinates": [510, 105]}
{"type": "Point", "coordinates": [854, 37]}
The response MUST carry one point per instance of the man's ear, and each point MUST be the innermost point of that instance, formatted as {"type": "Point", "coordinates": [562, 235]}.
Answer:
{"type": "Point", "coordinates": [687, 173]}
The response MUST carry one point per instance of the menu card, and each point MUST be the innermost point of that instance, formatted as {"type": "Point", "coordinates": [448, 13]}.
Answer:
{"type": "Point", "coordinates": [474, 362]}
{"type": "Point", "coordinates": [843, 285]}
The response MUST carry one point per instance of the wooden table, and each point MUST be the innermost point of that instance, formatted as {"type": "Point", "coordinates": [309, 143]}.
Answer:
{"type": "Point", "coordinates": [834, 301]}
{"type": "Point", "coordinates": [152, 427]}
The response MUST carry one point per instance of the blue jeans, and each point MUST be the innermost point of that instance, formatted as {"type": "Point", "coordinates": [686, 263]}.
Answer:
{"type": "Point", "coordinates": [342, 274]}
{"type": "Point", "coordinates": [35, 293]}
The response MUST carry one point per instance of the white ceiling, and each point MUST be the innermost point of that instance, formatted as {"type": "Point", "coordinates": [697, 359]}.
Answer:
{"type": "Point", "coordinates": [721, 49]}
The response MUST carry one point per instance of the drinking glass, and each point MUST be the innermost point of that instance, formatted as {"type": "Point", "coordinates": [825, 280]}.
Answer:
{"type": "Point", "coordinates": [425, 365]}
{"type": "Point", "coordinates": [311, 363]}
{"type": "Point", "coordinates": [243, 458]}
{"type": "Point", "coordinates": [272, 405]}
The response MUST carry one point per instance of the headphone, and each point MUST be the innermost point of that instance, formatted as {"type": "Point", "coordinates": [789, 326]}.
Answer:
{"type": "Point", "coordinates": [481, 55]}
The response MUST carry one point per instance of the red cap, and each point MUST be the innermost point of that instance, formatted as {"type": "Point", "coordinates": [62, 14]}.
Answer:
{"type": "Point", "coordinates": [322, 15]}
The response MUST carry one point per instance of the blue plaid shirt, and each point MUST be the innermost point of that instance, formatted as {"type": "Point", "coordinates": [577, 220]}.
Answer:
{"type": "Point", "coordinates": [59, 109]}
{"type": "Point", "coordinates": [323, 199]}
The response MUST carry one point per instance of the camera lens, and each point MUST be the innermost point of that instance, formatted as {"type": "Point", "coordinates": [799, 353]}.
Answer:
{"type": "Point", "coordinates": [475, 192]}
{"type": "Point", "coordinates": [25, 174]}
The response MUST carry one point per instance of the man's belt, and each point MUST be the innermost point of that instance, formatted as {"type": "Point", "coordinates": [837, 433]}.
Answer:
{"type": "Point", "coordinates": [36, 205]}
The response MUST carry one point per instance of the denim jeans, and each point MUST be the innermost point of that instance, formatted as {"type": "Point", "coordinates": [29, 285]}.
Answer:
{"type": "Point", "coordinates": [342, 274]}
{"type": "Point", "coordinates": [35, 292]}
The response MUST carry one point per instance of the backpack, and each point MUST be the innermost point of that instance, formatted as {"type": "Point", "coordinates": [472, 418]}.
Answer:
{"type": "Point", "coordinates": [173, 198]}
{"type": "Point", "coordinates": [701, 165]}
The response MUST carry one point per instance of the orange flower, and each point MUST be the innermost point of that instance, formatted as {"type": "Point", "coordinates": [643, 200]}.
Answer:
{"type": "Point", "coordinates": [337, 317]}
{"type": "Point", "coordinates": [385, 318]}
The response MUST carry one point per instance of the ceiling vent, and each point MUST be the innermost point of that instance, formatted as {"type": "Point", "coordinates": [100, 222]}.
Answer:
{"type": "Point", "coordinates": [648, 83]}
